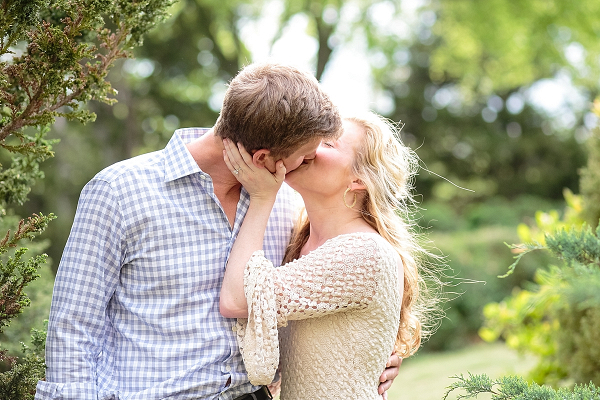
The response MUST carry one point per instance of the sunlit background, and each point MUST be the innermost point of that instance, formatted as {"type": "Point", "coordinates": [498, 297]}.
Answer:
{"type": "Point", "coordinates": [495, 96]}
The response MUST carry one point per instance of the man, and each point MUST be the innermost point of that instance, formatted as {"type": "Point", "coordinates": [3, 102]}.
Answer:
{"type": "Point", "coordinates": [135, 308]}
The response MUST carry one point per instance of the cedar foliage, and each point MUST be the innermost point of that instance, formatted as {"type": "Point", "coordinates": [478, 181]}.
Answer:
{"type": "Point", "coordinates": [515, 387]}
{"type": "Point", "coordinates": [54, 58]}
{"type": "Point", "coordinates": [558, 318]}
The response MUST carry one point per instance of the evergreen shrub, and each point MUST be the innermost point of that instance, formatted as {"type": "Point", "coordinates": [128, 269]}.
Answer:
{"type": "Point", "coordinates": [55, 55]}
{"type": "Point", "coordinates": [517, 388]}
{"type": "Point", "coordinates": [558, 317]}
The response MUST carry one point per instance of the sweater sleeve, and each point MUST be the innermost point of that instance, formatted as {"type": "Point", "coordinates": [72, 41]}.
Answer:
{"type": "Point", "coordinates": [339, 276]}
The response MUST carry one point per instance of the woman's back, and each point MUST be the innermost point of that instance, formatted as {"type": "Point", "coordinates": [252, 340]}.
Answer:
{"type": "Point", "coordinates": [342, 302]}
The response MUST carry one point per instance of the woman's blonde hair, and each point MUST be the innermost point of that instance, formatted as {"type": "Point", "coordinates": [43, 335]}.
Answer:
{"type": "Point", "coordinates": [387, 169]}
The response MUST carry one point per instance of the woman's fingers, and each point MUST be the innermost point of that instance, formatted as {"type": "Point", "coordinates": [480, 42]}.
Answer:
{"type": "Point", "coordinates": [233, 153]}
{"type": "Point", "coordinates": [280, 171]}
{"type": "Point", "coordinates": [247, 157]}
{"type": "Point", "coordinates": [256, 179]}
{"type": "Point", "coordinates": [231, 168]}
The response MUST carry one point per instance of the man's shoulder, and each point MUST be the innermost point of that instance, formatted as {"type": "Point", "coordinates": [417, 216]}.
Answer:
{"type": "Point", "coordinates": [122, 171]}
{"type": "Point", "coordinates": [288, 203]}
{"type": "Point", "coordinates": [287, 195]}
{"type": "Point", "coordinates": [172, 162]}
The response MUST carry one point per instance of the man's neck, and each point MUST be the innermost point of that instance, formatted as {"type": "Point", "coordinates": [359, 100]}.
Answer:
{"type": "Point", "coordinates": [207, 151]}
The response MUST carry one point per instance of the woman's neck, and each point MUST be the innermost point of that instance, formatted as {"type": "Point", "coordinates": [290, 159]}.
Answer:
{"type": "Point", "coordinates": [327, 222]}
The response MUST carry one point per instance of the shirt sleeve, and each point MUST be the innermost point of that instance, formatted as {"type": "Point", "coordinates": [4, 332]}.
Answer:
{"type": "Point", "coordinates": [87, 277]}
{"type": "Point", "coordinates": [339, 276]}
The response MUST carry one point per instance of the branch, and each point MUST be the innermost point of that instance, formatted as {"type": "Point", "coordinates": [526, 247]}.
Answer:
{"type": "Point", "coordinates": [107, 61]}
{"type": "Point", "coordinates": [521, 250]}
{"type": "Point", "coordinates": [29, 228]}
{"type": "Point", "coordinates": [473, 385]}
{"type": "Point", "coordinates": [54, 72]}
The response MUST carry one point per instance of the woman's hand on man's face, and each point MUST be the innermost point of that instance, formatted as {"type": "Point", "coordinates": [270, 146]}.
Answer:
{"type": "Point", "coordinates": [256, 179]}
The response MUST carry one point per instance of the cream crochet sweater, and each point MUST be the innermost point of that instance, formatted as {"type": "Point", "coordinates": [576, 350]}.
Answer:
{"type": "Point", "coordinates": [342, 305]}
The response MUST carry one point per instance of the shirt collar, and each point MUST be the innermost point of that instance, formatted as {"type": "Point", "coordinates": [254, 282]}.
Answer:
{"type": "Point", "coordinates": [178, 160]}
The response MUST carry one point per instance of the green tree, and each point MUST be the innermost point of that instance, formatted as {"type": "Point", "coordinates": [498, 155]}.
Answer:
{"type": "Point", "coordinates": [558, 317]}
{"type": "Point", "coordinates": [500, 45]}
{"type": "Point", "coordinates": [462, 87]}
{"type": "Point", "coordinates": [55, 58]}
{"type": "Point", "coordinates": [590, 176]}
{"type": "Point", "coordinates": [485, 144]}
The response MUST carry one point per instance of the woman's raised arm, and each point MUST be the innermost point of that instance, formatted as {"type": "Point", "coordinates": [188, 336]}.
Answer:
{"type": "Point", "coordinates": [262, 187]}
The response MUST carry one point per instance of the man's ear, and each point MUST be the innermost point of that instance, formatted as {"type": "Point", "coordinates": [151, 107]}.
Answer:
{"type": "Point", "coordinates": [259, 158]}
{"type": "Point", "coordinates": [262, 158]}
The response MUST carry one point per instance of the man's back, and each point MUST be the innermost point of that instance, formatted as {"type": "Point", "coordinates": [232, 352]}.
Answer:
{"type": "Point", "coordinates": [145, 262]}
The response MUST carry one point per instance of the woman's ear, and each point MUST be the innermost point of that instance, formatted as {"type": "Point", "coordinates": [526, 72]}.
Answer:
{"type": "Point", "coordinates": [357, 185]}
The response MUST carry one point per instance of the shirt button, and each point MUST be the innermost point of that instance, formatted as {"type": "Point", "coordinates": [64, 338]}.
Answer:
{"type": "Point", "coordinates": [202, 177]}
{"type": "Point", "coordinates": [228, 368]}
{"type": "Point", "coordinates": [234, 328]}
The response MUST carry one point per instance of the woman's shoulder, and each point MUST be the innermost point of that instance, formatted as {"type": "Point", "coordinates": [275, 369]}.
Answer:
{"type": "Point", "coordinates": [363, 244]}
{"type": "Point", "coordinates": [362, 240]}
{"type": "Point", "coordinates": [371, 237]}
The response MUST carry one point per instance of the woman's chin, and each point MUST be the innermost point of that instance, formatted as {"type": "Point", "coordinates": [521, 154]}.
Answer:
{"type": "Point", "coordinates": [290, 175]}
{"type": "Point", "coordinates": [292, 180]}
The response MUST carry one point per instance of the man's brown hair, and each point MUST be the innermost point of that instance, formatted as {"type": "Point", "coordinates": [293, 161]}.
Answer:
{"type": "Point", "coordinates": [276, 107]}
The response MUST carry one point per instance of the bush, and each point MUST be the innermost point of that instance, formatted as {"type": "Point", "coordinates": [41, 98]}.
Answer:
{"type": "Point", "coordinates": [473, 240]}
{"type": "Point", "coordinates": [476, 258]}
{"type": "Point", "coordinates": [558, 318]}
{"type": "Point", "coordinates": [55, 58]}
{"type": "Point", "coordinates": [514, 387]}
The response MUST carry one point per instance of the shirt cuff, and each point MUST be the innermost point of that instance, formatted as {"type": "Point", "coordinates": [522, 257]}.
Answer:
{"type": "Point", "coordinates": [65, 391]}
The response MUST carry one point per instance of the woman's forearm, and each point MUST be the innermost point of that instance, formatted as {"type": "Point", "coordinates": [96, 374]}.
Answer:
{"type": "Point", "coordinates": [262, 186]}
{"type": "Point", "coordinates": [232, 303]}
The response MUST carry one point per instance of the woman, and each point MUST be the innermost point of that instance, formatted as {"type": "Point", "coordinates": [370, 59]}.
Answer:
{"type": "Point", "coordinates": [351, 282]}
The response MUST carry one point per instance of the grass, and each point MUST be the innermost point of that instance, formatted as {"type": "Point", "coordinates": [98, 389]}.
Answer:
{"type": "Point", "coordinates": [426, 376]}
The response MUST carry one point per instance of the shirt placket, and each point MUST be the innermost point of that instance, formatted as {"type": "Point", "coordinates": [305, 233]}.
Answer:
{"type": "Point", "coordinates": [230, 373]}
{"type": "Point", "coordinates": [235, 375]}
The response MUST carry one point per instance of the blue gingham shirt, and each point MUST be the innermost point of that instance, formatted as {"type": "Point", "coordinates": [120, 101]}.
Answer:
{"type": "Point", "coordinates": [135, 308]}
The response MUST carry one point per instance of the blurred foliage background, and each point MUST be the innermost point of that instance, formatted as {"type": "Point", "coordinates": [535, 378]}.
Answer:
{"type": "Point", "coordinates": [495, 97]}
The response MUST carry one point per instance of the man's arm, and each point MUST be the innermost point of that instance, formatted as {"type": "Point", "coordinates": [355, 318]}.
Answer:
{"type": "Point", "coordinates": [86, 279]}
